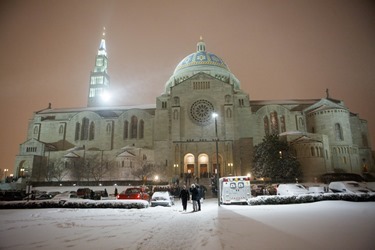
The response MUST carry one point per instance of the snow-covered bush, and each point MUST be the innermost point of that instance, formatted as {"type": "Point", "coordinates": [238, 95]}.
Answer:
{"type": "Point", "coordinates": [306, 198]}
{"type": "Point", "coordinates": [75, 203]}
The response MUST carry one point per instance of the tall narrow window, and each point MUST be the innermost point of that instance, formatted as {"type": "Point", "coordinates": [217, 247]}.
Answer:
{"type": "Point", "coordinates": [109, 128]}
{"type": "Point", "coordinates": [176, 101]}
{"type": "Point", "coordinates": [133, 127]}
{"type": "Point", "coordinates": [282, 125]}
{"type": "Point", "coordinates": [92, 131]}
{"type": "Point", "coordinates": [274, 123]}
{"type": "Point", "coordinates": [338, 132]}
{"type": "Point", "coordinates": [61, 129]}
{"type": "Point", "coordinates": [229, 113]}
{"type": "Point", "coordinates": [126, 130]}
{"type": "Point", "coordinates": [78, 126]}
{"type": "Point", "coordinates": [85, 129]}
{"type": "Point", "coordinates": [266, 125]}
{"type": "Point", "coordinates": [36, 130]}
{"type": "Point", "coordinates": [141, 129]}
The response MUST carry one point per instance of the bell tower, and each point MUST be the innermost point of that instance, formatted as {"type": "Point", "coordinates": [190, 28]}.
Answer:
{"type": "Point", "coordinates": [99, 79]}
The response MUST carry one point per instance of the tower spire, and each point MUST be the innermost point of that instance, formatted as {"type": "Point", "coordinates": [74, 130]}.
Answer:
{"type": "Point", "coordinates": [99, 78]}
{"type": "Point", "coordinates": [102, 48]}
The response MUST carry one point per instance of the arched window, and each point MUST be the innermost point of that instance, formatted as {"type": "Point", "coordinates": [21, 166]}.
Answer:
{"type": "Point", "coordinates": [126, 130]}
{"type": "Point", "coordinates": [176, 101]}
{"type": "Point", "coordinates": [92, 131]}
{"type": "Point", "coordinates": [301, 123]}
{"type": "Point", "coordinates": [227, 99]}
{"type": "Point", "coordinates": [85, 129]}
{"type": "Point", "coordinates": [141, 129]}
{"type": "Point", "coordinates": [282, 121]}
{"type": "Point", "coordinates": [133, 127]}
{"type": "Point", "coordinates": [229, 113]}
{"type": "Point", "coordinates": [338, 132]}
{"type": "Point", "coordinates": [36, 130]}
{"type": "Point", "coordinates": [78, 126]}
{"type": "Point", "coordinates": [175, 114]}
{"type": "Point", "coordinates": [109, 128]}
{"type": "Point", "coordinates": [61, 129]}
{"type": "Point", "coordinates": [274, 123]}
{"type": "Point", "coordinates": [266, 125]}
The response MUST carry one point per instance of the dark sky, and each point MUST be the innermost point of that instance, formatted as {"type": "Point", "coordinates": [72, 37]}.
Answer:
{"type": "Point", "coordinates": [278, 50]}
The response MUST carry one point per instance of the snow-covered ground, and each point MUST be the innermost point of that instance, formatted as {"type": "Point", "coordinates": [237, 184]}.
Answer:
{"type": "Point", "coordinates": [320, 225]}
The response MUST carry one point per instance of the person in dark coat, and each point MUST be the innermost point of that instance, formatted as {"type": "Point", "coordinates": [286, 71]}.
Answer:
{"type": "Point", "coordinates": [194, 197]}
{"type": "Point", "coordinates": [199, 196]}
{"type": "Point", "coordinates": [184, 196]}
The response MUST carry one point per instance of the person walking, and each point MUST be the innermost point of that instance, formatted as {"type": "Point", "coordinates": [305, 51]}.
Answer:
{"type": "Point", "coordinates": [184, 196]}
{"type": "Point", "coordinates": [194, 197]}
{"type": "Point", "coordinates": [199, 196]}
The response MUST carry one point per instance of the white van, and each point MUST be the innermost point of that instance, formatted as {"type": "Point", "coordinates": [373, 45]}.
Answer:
{"type": "Point", "coordinates": [235, 189]}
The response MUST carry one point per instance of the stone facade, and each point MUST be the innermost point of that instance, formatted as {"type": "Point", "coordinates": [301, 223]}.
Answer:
{"type": "Point", "coordinates": [179, 137]}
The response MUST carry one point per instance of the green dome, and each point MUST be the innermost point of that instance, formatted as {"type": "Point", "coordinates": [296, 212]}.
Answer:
{"type": "Point", "coordinates": [201, 58]}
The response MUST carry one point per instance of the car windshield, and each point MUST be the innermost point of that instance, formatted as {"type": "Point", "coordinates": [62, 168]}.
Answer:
{"type": "Point", "coordinates": [132, 191]}
{"type": "Point", "coordinates": [353, 184]}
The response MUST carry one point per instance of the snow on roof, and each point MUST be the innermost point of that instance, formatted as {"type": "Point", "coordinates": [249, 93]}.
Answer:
{"type": "Point", "coordinates": [97, 109]}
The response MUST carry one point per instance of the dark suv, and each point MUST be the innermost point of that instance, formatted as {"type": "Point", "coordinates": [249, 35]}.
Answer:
{"type": "Point", "coordinates": [84, 193]}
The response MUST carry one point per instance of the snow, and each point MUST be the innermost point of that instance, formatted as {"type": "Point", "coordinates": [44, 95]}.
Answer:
{"type": "Point", "coordinates": [319, 225]}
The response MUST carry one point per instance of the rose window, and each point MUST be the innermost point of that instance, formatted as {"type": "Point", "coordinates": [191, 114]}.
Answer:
{"type": "Point", "coordinates": [201, 111]}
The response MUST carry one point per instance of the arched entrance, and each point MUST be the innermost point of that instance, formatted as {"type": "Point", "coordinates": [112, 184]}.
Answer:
{"type": "Point", "coordinates": [189, 167]}
{"type": "Point", "coordinates": [203, 163]}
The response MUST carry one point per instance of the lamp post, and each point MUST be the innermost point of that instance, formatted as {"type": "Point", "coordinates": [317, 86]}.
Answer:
{"type": "Point", "coordinates": [176, 177]}
{"type": "Point", "coordinates": [175, 166]}
{"type": "Point", "coordinates": [214, 115]}
{"type": "Point", "coordinates": [189, 176]}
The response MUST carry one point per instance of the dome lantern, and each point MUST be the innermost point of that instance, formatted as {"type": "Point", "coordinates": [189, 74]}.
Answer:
{"type": "Point", "coordinates": [201, 46]}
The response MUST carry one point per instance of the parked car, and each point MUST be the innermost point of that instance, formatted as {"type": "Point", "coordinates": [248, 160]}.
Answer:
{"type": "Point", "coordinates": [291, 189]}
{"type": "Point", "coordinates": [162, 198]}
{"type": "Point", "coordinates": [84, 193]}
{"type": "Point", "coordinates": [263, 189]}
{"type": "Point", "coordinates": [54, 193]}
{"type": "Point", "coordinates": [332, 177]}
{"type": "Point", "coordinates": [43, 197]}
{"type": "Point", "coordinates": [348, 187]}
{"type": "Point", "coordinates": [136, 193]}
{"type": "Point", "coordinates": [65, 196]}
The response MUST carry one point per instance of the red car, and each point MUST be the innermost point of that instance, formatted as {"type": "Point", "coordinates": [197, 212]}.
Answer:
{"type": "Point", "coordinates": [134, 193]}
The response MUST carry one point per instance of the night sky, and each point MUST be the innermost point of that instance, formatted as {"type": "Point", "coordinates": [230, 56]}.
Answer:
{"type": "Point", "coordinates": [279, 50]}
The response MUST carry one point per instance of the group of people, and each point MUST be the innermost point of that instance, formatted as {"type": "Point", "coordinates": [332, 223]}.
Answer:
{"type": "Point", "coordinates": [196, 194]}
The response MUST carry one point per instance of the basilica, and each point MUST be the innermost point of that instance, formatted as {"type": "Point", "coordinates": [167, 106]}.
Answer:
{"type": "Point", "coordinates": [202, 124]}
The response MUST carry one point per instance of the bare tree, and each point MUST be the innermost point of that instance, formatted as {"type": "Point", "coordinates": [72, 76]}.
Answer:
{"type": "Point", "coordinates": [57, 170]}
{"type": "Point", "coordinates": [95, 167]}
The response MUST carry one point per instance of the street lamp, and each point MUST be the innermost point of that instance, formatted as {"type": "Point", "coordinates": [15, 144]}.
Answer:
{"type": "Point", "coordinates": [215, 115]}
{"type": "Point", "coordinates": [189, 176]}
{"type": "Point", "coordinates": [175, 166]}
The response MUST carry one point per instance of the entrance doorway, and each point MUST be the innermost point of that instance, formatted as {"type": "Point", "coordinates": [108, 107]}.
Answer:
{"type": "Point", "coordinates": [203, 170]}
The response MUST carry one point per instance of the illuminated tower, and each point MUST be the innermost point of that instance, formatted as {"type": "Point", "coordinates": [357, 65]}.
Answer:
{"type": "Point", "coordinates": [99, 79]}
